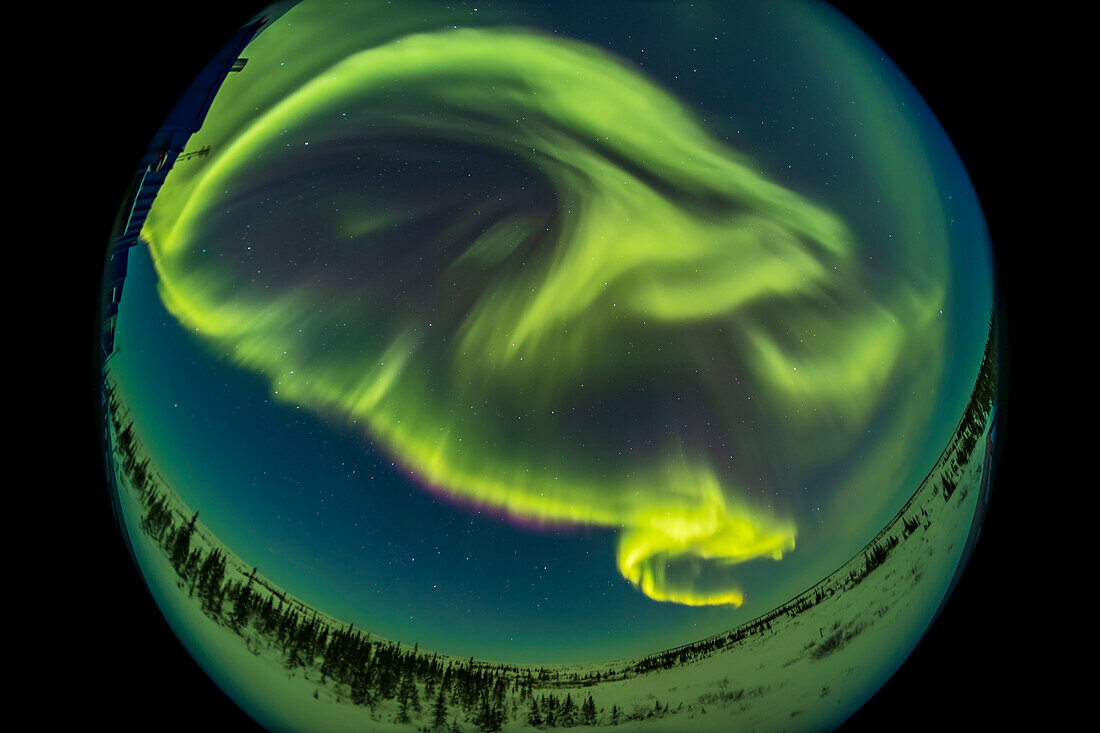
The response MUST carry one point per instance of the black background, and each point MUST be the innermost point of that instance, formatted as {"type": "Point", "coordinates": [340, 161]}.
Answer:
{"type": "Point", "coordinates": [968, 671]}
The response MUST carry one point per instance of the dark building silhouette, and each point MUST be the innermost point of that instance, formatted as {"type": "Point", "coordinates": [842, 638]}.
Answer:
{"type": "Point", "coordinates": [165, 148]}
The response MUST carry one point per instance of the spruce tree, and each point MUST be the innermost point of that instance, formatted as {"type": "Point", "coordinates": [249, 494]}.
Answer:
{"type": "Point", "coordinates": [588, 711]}
{"type": "Point", "coordinates": [534, 719]}
{"type": "Point", "coordinates": [407, 697]}
{"type": "Point", "coordinates": [429, 687]}
{"type": "Point", "coordinates": [181, 544]}
{"type": "Point", "coordinates": [414, 692]}
{"type": "Point", "coordinates": [387, 680]}
{"type": "Point", "coordinates": [402, 705]}
{"type": "Point", "coordinates": [488, 720]}
{"type": "Point", "coordinates": [242, 608]}
{"type": "Point", "coordinates": [439, 712]}
{"type": "Point", "coordinates": [359, 688]}
{"type": "Point", "coordinates": [568, 715]}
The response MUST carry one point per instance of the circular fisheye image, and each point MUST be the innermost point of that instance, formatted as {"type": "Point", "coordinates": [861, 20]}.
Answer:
{"type": "Point", "coordinates": [513, 366]}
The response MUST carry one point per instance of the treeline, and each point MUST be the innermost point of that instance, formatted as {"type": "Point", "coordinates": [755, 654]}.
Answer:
{"type": "Point", "coordinates": [873, 556]}
{"type": "Point", "coordinates": [974, 419]}
{"type": "Point", "coordinates": [429, 693]}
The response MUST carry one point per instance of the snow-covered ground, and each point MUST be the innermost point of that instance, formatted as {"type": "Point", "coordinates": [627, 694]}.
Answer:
{"type": "Point", "coordinates": [806, 666]}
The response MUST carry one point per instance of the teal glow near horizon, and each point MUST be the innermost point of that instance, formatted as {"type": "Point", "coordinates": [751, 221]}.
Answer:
{"type": "Point", "coordinates": [742, 432]}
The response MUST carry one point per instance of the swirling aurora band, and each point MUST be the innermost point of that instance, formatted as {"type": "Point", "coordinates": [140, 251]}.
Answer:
{"type": "Point", "coordinates": [616, 259]}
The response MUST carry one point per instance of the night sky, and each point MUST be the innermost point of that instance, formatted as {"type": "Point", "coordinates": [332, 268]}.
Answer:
{"type": "Point", "coordinates": [542, 368]}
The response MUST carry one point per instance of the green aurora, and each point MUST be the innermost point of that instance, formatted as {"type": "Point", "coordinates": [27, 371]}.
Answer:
{"type": "Point", "coordinates": [560, 296]}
